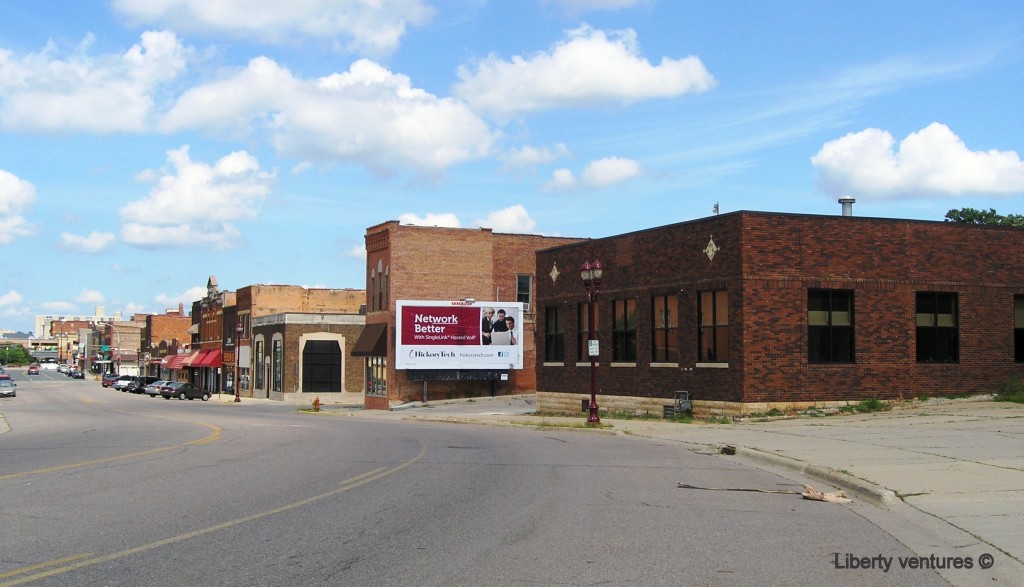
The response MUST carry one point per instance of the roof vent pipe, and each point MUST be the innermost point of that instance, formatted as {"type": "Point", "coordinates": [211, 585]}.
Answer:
{"type": "Point", "coordinates": [847, 203]}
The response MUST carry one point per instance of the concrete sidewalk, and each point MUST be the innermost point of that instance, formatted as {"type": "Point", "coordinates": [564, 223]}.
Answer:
{"type": "Point", "coordinates": [946, 477]}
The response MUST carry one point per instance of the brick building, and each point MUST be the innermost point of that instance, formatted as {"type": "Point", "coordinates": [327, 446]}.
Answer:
{"type": "Point", "coordinates": [300, 346]}
{"type": "Point", "coordinates": [164, 336]}
{"type": "Point", "coordinates": [406, 262]}
{"type": "Point", "coordinates": [748, 311]}
{"type": "Point", "coordinates": [305, 355]}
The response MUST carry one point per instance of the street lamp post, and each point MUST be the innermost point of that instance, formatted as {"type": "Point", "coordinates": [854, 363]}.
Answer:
{"type": "Point", "coordinates": [238, 336]}
{"type": "Point", "coordinates": [591, 273]}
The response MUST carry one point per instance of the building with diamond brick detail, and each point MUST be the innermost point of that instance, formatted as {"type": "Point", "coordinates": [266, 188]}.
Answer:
{"type": "Point", "coordinates": [750, 311]}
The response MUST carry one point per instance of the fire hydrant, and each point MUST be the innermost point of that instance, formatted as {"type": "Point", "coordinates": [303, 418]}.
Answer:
{"type": "Point", "coordinates": [316, 404]}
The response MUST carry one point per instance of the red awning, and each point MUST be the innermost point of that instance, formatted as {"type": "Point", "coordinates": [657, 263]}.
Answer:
{"type": "Point", "coordinates": [192, 358]}
{"type": "Point", "coordinates": [172, 362]}
{"type": "Point", "coordinates": [210, 360]}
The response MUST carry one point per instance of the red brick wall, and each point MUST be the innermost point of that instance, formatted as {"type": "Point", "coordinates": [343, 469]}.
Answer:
{"type": "Point", "coordinates": [768, 262]}
{"type": "Point", "coordinates": [434, 263]}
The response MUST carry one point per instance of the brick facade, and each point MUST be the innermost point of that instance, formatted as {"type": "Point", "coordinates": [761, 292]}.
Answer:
{"type": "Point", "coordinates": [434, 263]}
{"type": "Point", "coordinates": [767, 263]}
{"type": "Point", "coordinates": [295, 330]}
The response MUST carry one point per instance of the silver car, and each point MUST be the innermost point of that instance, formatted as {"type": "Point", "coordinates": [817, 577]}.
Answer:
{"type": "Point", "coordinates": [7, 388]}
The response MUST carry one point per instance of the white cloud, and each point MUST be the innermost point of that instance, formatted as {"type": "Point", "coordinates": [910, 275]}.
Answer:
{"type": "Point", "coordinates": [562, 179]}
{"type": "Point", "coordinates": [131, 309]}
{"type": "Point", "coordinates": [356, 252]}
{"type": "Point", "coordinates": [609, 171]}
{"type": "Point", "coordinates": [195, 204]}
{"type": "Point", "coordinates": [108, 93]}
{"type": "Point", "coordinates": [94, 242]}
{"type": "Point", "coordinates": [528, 157]}
{"type": "Point", "coordinates": [58, 307]}
{"type": "Point", "coordinates": [930, 162]}
{"type": "Point", "coordinates": [591, 67]}
{"type": "Point", "coordinates": [187, 297]}
{"type": "Point", "coordinates": [444, 219]}
{"type": "Point", "coordinates": [511, 219]}
{"type": "Point", "coordinates": [90, 296]}
{"type": "Point", "coordinates": [369, 27]}
{"type": "Point", "coordinates": [16, 197]}
{"type": "Point", "coordinates": [598, 174]}
{"type": "Point", "coordinates": [10, 298]}
{"type": "Point", "coordinates": [367, 115]}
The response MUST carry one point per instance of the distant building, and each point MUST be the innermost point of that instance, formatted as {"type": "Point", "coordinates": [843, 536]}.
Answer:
{"type": "Point", "coordinates": [751, 311]}
{"type": "Point", "coordinates": [43, 324]}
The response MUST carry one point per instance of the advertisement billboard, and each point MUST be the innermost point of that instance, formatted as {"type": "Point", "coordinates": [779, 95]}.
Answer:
{"type": "Point", "coordinates": [458, 335]}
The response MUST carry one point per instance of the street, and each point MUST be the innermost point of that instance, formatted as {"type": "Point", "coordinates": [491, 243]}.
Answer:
{"type": "Point", "coordinates": [107, 488]}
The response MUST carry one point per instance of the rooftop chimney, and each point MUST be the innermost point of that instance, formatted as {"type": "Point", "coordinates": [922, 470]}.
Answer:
{"type": "Point", "coordinates": [847, 203]}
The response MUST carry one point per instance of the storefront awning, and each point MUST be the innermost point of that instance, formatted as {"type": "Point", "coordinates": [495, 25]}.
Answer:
{"type": "Point", "coordinates": [210, 359]}
{"type": "Point", "coordinates": [192, 358]}
{"type": "Point", "coordinates": [372, 342]}
{"type": "Point", "coordinates": [172, 362]}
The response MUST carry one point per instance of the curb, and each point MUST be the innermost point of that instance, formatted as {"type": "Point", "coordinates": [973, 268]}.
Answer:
{"type": "Point", "coordinates": [865, 490]}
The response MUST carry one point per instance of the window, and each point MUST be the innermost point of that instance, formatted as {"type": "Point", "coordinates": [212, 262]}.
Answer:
{"type": "Point", "coordinates": [829, 326]}
{"type": "Point", "coordinates": [373, 290]}
{"type": "Point", "coordinates": [937, 332]}
{"type": "Point", "coordinates": [714, 326]}
{"type": "Point", "coordinates": [665, 344]}
{"type": "Point", "coordinates": [1018, 329]}
{"type": "Point", "coordinates": [259, 364]}
{"type": "Point", "coordinates": [321, 366]}
{"type": "Point", "coordinates": [278, 366]}
{"type": "Point", "coordinates": [523, 283]}
{"type": "Point", "coordinates": [583, 333]}
{"type": "Point", "coordinates": [380, 286]}
{"type": "Point", "coordinates": [554, 351]}
{"type": "Point", "coordinates": [624, 330]}
{"type": "Point", "coordinates": [377, 376]}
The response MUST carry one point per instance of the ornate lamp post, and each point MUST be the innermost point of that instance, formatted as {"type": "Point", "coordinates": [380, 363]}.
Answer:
{"type": "Point", "coordinates": [238, 335]}
{"type": "Point", "coordinates": [591, 273]}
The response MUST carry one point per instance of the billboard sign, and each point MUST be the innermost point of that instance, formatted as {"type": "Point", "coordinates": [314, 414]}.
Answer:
{"type": "Point", "coordinates": [458, 335]}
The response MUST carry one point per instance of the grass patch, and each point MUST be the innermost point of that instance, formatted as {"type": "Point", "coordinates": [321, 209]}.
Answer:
{"type": "Point", "coordinates": [718, 420]}
{"type": "Point", "coordinates": [1011, 390]}
{"type": "Point", "coordinates": [869, 405]}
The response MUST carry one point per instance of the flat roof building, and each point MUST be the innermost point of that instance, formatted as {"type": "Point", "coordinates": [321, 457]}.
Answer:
{"type": "Point", "coordinates": [748, 311]}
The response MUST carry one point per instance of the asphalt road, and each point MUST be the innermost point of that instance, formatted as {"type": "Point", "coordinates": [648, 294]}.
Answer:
{"type": "Point", "coordinates": [106, 488]}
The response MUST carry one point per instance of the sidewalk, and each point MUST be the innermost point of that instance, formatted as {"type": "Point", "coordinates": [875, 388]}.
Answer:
{"type": "Point", "coordinates": [946, 477]}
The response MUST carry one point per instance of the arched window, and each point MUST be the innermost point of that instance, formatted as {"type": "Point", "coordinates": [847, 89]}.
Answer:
{"type": "Point", "coordinates": [380, 283]}
{"type": "Point", "coordinates": [373, 293]}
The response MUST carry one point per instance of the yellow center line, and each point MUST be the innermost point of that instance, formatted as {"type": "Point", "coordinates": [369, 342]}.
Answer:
{"type": "Point", "coordinates": [71, 563]}
{"type": "Point", "coordinates": [52, 563]}
{"type": "Point", "coordinates": [208, 438]}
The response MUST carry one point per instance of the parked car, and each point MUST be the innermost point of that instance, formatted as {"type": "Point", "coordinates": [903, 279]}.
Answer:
{"type": "Point", "coordinates": [7, 388]}
{"type": "Point", "coordinates": [32, 370]}
{"type": "Point", "coordinates": [121, 383]}
{"type": "Point", "coordinates": [62, 368]}
{"type": "Point", "coordinates": [184, 391]}
{"type": "Point", "coordinates": [108, 379]}
{"type": "Point", "coordinates": [138, 384]}
{"type": "Point", "coordinates": [77, 374]}
{"type": "Point", "coordinates": [153, 389]}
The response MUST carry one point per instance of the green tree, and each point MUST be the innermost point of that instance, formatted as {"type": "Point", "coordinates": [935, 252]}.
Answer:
{"type": "Point", "coordinates": [990, 216]}
{"type": "Point", "coordinates": [14, 354]}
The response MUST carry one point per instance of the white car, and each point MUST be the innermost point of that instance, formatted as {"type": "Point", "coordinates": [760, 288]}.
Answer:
{"type": "Point", "coordinates": [122, 382]}
{"type": "Point", "coordinates": [7, 388]}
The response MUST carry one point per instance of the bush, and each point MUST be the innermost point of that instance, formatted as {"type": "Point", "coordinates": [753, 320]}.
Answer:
{"type": "Point", "coordinates": [1012, 390]}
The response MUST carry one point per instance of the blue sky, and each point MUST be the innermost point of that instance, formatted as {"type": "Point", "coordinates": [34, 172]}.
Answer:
{"type": "Point", "coordinates": [148, 144]}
